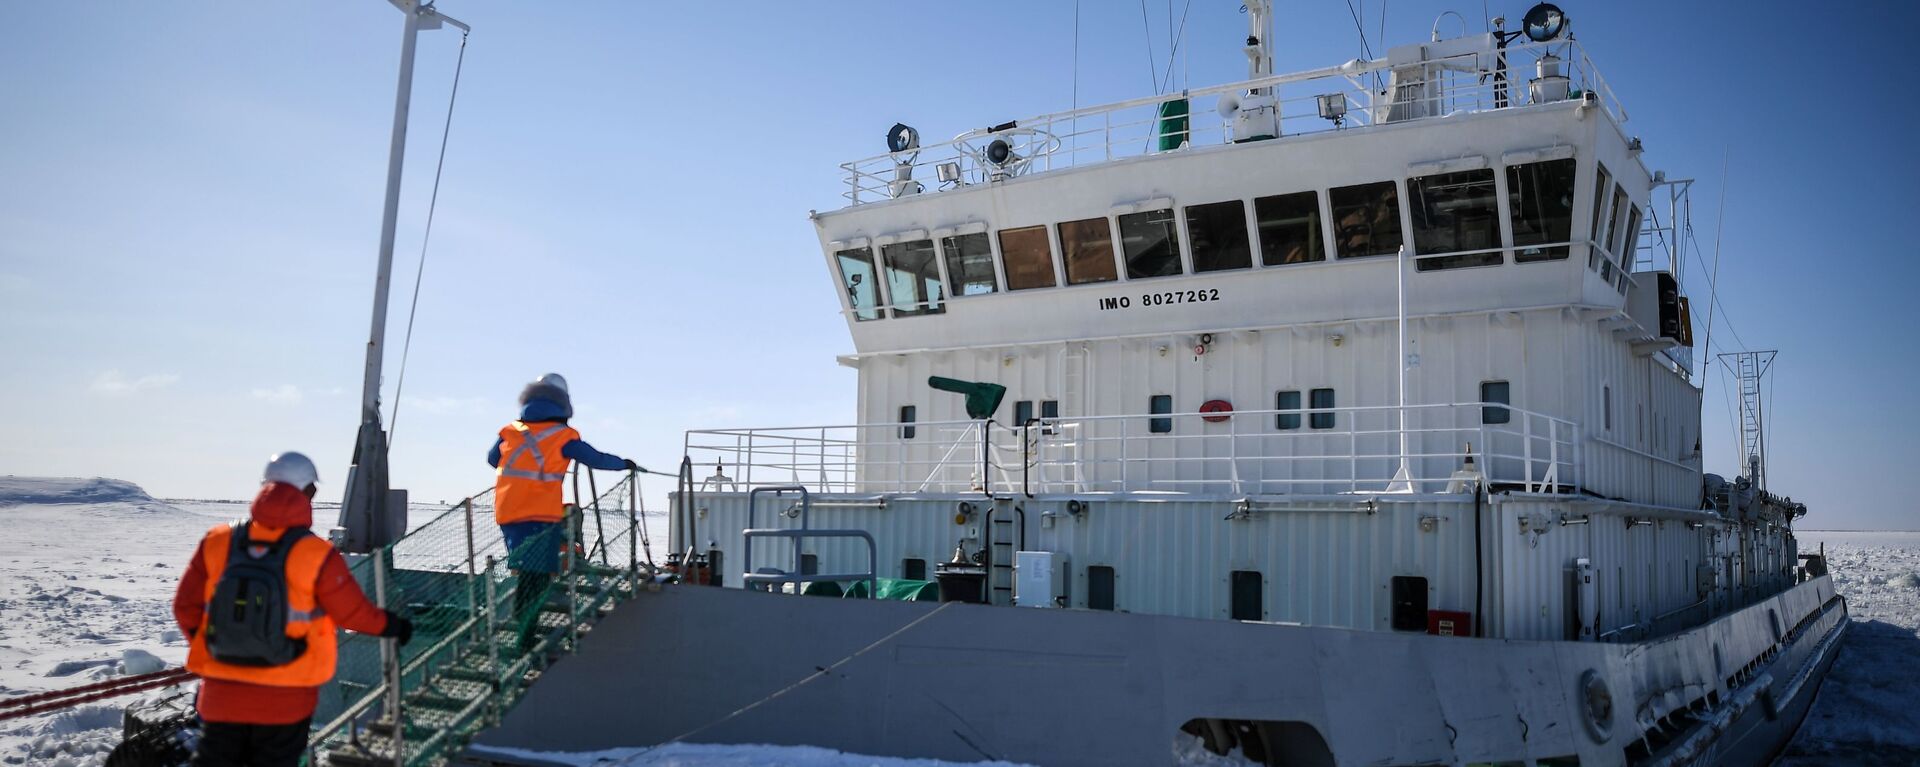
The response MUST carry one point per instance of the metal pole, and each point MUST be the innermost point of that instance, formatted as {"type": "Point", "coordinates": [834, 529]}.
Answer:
{"type": "Point", "coordinates": [468, 503]}
{"type": "Point", "coordinates": [573, 565]}
{"type": "Point", "coordinates": [634, 520]}
{"type": "Point", "coordinates": [493, 631]}
{"type": "Point", "coordinates": [1403, 478]}
{"type": "Point", "coordinates": [390, 661]}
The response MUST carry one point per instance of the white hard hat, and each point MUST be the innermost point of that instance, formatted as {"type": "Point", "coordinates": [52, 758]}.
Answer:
{"type": "Point", "coordinates": [292, 468]}
{"type": "Point", "coordinates": [554, 380]}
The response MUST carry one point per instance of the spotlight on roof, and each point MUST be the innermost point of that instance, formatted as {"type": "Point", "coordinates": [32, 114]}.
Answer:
{"type": "Point", "coordinates": [902, 137]}
{"type": "Point", "coordinates": [1544, 22]}
{"type": "Point", "coordinates": [1333, 106]}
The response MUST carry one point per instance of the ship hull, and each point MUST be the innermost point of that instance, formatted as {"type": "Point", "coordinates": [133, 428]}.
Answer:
{"type": "Point", "coordinates": [1045, 686]}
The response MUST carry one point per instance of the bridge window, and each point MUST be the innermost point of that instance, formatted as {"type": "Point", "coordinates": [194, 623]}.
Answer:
{"type": "Point", "coordinates": [908, 414]}
{"type": "Point", "coordinates": [913, 278]}
{"type": "Point", "coordinates": [969, 264]}
{"type": "Point", "coordinates": [1322, 400]}
{"type": "Point", "coordinates": [1099, 587]}
{"type": "Point", "coordinates": [1495, 391]}
{"type": "Point", "coordinates": [1601, 183]}
{"type": "Point", "coordinates": [1540, 197]}
{"type": "Point", "coordinates": [1218, 233]}
{"type": "Point", "coordinates": [1454, 212]}
{"type": "Point", "coordinates": [1160, 404]}
{"type": "Point", "coordinates": [1618, 212]}
{"type": "Point", "coordinates": [1366, 220]}
{"type": "Point", "coordinates": [1287, 400]}
{"type": "Point", "coordinates": [857, 279]}
{"type": "Point", "coordinates": [1151, 245]}
{"type": "Point", "coordinates": [1290, 228]}
{"type": "Point", "coordinates": [1087, 248]}
{"type": "Point", "coordinates": [1630, 248]}
{"type": "Point", "coordinates": [1026, 257]}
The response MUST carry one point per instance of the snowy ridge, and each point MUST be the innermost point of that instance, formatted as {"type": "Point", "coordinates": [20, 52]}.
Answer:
{"type": "Point", "coordinates": [22, 491]}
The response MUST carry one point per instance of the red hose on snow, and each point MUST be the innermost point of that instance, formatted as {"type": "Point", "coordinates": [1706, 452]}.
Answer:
{"type": "Point", "coordinates": [54, 700]}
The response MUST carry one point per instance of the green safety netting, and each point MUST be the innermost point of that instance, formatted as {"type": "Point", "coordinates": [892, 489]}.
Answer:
{"type": "Point", "coordinates": [897, 589]}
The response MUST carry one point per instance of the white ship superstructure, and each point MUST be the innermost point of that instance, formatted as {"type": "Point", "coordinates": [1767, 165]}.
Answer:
{"type": "Point", "coordinates": [1259, 387]}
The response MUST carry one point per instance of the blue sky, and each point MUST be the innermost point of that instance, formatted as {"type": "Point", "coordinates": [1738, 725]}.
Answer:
{"type": "Point", "coordinates": [190, 204]}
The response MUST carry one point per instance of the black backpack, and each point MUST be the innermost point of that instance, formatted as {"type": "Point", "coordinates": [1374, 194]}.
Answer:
{"type": "Point", "coordinates": [247, 619]}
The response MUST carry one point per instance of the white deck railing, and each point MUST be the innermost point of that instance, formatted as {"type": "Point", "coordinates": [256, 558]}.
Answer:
{"type": "Point", "coordinates": [1236, 453]}
{"type": "Point", "coordinates": [1371, 90]}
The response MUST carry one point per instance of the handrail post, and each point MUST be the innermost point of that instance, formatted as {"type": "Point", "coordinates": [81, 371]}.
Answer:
{"type": "Point", "coordinates": [390, 659]}
{"type": "Point", "coordinates": [633, 533]}
{"type": "Point", "coordinates": [493, 640]}
{"type": "Point", "coordinates": [572, 573]}
{"type": "Point", "coordinates": [467, 503]}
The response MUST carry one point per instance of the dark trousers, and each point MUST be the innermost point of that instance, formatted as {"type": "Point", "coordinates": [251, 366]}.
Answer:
{"type": "Point", "coordinates": [224, 744]}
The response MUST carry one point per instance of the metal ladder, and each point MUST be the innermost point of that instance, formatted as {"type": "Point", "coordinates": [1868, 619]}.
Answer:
{"type": "Point", "coordinates": [998, 565]}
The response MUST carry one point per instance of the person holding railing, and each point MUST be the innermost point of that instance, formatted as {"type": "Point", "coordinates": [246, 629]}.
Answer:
{"type": "Point", "coordinates": [531, 457]}
{"type": "Point", "coordinates": [259, 604]}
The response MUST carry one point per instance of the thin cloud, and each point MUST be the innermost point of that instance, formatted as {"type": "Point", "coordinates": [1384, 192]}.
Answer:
{"type": "Point", "coordinates": [284, 394]}
{"type": "Point", "coordinates": [114, 383]}
{"type": "Point", "coordinates": [443, 405]}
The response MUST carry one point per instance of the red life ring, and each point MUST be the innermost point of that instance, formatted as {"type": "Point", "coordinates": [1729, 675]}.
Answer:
{"type": "Point", "coordinates": [1215, 406]}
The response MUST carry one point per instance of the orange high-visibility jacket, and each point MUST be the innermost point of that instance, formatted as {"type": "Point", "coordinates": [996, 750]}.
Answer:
{"type": "Point", "coordinates": [530, 485]}
{"type": "Point", "coordinates": [305, 619]}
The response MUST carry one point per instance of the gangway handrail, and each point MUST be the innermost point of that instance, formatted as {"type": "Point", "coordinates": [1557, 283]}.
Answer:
{"type": "Point", "coordinates": [871, 576]}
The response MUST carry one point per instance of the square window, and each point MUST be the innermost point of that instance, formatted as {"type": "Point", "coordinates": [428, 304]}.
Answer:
{"type": "Point", "coordinates": [1287, 400]}
{"type": "Point", "coordinates": [913, 569]}
{"type": "Point", "coordinates": [1452, 213]}
{"type": "Point", "coordinates": [1289, 228]}
{"type": "Point", "coordinates": [1027, 258]}
{"type": "Point", "coordinates": [1322, 401]}
{"type": "Point", "coordinates": [1087, 248]}
{"type": "Point", "coordinates": [1540, 198]}
{"type": "Point", "coordinates": [1495, 391]}
{"type": "Point", "coordinates": [1160, 404]}
{"type": "Point", "coordinates": [913, 278]}
{"type": "Point", "coordinates": [908, 414]}
{"type": "Point", "coordinates": [1218, 233]}
{"type": "Point", "coordinates": [969, 264]}
{"type": "Point", "coordinates": [1050, 409]}
{"type": "Point", "coordinates": [1151, 244]}
{"type": "Point", "coordinates": [1366, 220]}
{"type": "Point", "coordinates": [857, 280]}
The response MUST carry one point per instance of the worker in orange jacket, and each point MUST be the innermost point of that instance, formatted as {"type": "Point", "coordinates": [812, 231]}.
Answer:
{"type": "Point", "coordinates": [261, 669]}
{"type": "Point", "coordinates": [531, 457]}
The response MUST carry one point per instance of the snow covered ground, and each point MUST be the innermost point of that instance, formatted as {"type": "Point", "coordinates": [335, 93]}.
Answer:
{"type": "Point", "coordinates": [88, 567]}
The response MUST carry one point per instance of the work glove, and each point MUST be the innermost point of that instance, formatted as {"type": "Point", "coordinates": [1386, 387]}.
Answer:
{"type": "Point", "coordinates": [631, 466]}
{"type": "Point", "coordinates": [398, 628]}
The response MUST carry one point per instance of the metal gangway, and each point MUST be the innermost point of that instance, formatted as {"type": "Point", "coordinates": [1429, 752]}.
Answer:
{"type": "Point", "coordinates": [486, 624]}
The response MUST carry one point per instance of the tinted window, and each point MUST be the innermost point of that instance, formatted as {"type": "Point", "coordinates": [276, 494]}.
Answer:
{"type": "Point", "coordinates": [1247, 602]}
{"type": "Point", "coordinates": [1495, 391]}
{"type": "Point", "coordinates": [1099, 587]}
{"type": "Point", "coordinates": [1158, 405]}
{"type": "Point", "coordinates": [969, 264]}
{"type": "Point", "coordinates": [1087, 248]}
{"type": "Point", "coordinates": [1287, 400]}
{"type": "Point", "coordinates": [1601, 182]}
{"type": "Point", "coordinates": [857, 279]}
{"type": "Point", "coordinates": [1619, 211]}
{"type": "Point", "coordinates": [1366, 220]}
{"type": "Point", "coordinates": [1026, 257]}
{"type": "Point", "coordinates": [1540, 196]}
{"type": "Point", "coordinates": [1632, 243]}
{"type": "Point", "coordinates": [1289, 228]}
{"type": "Point", "coordinates": [908, 414]}
{"type": "Point", "coordinates": [1322, 400]}
{"type": "Point", "coordinates": [913, 569]}
{"type": "Point", "coordinates": [1453, 212]}
{"type": "Point", "coordinates": [1050, 409]}
{"type": "Point", "coordinates": [913, 278]}
{"type": "Point", "coordinates": [1151, 245]}
{"type": "Point", "coordinates": [1022, 412]}
{"type": "Point", "coordinates": [1218, 234]}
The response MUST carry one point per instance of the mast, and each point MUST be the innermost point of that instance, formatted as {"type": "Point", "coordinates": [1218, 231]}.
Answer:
{"type": "Point", "coordinates": [373, 514]}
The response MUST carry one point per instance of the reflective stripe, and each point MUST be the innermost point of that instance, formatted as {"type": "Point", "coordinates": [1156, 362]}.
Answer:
{"type": "Point", "coordinates": [306, 615]}
{"type": "Point", "coordinates": [531, 444]}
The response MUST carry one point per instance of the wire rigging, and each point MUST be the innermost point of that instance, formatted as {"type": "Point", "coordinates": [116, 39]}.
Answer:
{"type": "Point", "coordinates": [413, 307]}
{"type": "Point", "coordinates": [1178, 38]}
{"type": "Point", "coordinates": [1153, 72]}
